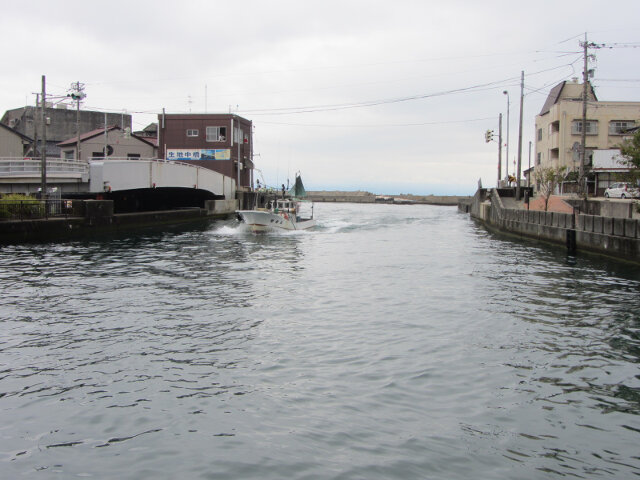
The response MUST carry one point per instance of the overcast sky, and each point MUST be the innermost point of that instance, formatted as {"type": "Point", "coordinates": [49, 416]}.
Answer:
{"type": "Point", "coordinates": [389, 97]}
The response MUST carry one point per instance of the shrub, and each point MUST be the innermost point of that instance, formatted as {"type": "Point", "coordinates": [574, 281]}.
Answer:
{"type": "Point", "coordinates": [16, 205]}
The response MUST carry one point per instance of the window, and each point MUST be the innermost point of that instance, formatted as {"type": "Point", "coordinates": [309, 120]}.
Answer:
{"type": "Point", "coordinates": [192, 132]}
{"type": "Point", "coordinates": [216, 134]}
{"type": "Point", "coordinates": [592, 127]}
{"type": "Point", "coordinates": [69, 155]}
{"type": "Point", "coordinates": [133, 155]}
{"type": "Point", "coordinates": [539, 134]}
{"type": "Point", "coordinates": [617, 127]}
{"type": "Point", "coordinates": [539, 159]}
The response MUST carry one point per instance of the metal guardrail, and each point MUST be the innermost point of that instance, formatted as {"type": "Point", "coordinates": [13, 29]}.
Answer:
{"type": "Point", "coordinates": [34, 209]}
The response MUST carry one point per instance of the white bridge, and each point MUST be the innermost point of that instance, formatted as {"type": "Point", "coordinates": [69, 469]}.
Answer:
{"type": "Point", "coordinates": [23, 176]}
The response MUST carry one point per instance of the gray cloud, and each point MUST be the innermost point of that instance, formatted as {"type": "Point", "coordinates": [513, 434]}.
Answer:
{"type": "Point", "coordinates": [257, 57]}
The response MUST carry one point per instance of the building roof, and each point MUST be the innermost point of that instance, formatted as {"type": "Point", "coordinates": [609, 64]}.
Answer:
{"type": "Point", "coordinates": [97, 132]}
{"type": "Point", "coordinates": [201, 116]}
{"type": "Point", "coordinates": [556, 94]}
{"type": "Point", "coordinates": [151, 128]}
{"type": "Point", "coordinates": [23, 137]}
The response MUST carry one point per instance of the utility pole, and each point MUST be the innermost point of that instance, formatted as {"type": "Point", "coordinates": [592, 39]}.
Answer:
{"type": "Point", "coordinates": [585, 92]}
{"type": "Point", "coordinates": [499, 149]}
{"type": "Point", "coordinates": [106, 138]}
{"type": "Point", "coordinates": [35, 128]}
{"type": "Point", "coordinates": [529, 177]}
{"type": "Point", "coordinates": [520, 137]}
{"type": "Point", "coordinates": [583, 139]}
{"type": "Point", "coordinates": [43, 166]}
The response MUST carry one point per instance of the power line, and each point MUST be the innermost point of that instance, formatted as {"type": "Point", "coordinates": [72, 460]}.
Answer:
{"type": "Point", "coordinates": [619, 79]}
{"type": "Point", "coordinates": [381, 125]}
{"type": "Point", "coordinates": [372, 103]}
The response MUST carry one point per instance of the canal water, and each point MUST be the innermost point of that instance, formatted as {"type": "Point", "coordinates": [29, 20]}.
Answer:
{"type": "Point", "coordinates": [392, 342]}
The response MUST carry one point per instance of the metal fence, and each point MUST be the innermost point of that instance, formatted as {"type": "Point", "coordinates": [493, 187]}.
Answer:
{"type": "Point", "coordinates": [34, 209]}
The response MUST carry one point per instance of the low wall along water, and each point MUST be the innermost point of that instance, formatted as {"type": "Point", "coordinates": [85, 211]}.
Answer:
{"type": "Point", "coordinates": [96, 217]}
{"type": "Point", "coordinates": [618, 237]}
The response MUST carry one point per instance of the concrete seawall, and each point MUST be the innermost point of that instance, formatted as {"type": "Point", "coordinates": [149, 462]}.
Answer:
{"type": "Point", "coordinates": [96, 217]}
{"type": "Point", "coordinates": [367, 197]}
{"type": "Point", "coordinates": [342, 197]}
{"type": "Point", "coordinates": [616, 237]}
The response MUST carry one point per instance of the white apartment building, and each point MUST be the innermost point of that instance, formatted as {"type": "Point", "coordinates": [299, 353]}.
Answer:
{"type": "Point", "coordinates": [559, 128]}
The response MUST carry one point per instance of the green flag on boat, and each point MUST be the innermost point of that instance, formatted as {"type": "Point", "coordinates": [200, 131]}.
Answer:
{"type": "Point", "coordinates": [298, 188]}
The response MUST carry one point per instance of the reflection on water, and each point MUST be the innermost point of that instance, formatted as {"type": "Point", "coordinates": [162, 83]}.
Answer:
{"type": "Point", "coordinates": [390, 342]}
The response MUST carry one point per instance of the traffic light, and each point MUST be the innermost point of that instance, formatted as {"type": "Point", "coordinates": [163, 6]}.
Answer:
{"type": "Point", "coordinates": [488, 136]}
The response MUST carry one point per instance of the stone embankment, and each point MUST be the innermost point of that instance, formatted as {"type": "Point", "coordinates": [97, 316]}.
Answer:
{"type": "Point", "coordinates": [604, 227]}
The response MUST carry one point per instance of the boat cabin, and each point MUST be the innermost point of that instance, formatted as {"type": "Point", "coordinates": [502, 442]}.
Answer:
{"type": "Point", "coordinates": [285, 205]}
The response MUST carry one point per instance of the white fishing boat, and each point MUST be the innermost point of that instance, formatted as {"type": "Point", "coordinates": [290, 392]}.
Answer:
{"type": "Point", "coordinates": [280, 213]}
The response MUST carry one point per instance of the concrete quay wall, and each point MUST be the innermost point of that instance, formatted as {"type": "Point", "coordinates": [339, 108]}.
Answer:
{"type": "Point", "coordinates": [92, 218]}
{"type": "Point", "coordinates": [341, 197]}
{"type": "Point", "coordinates": [612, 236]}
{"type": "Point", "coordinates": [443, 200]}
{"type": "Point", "coordinates": [366, 197]}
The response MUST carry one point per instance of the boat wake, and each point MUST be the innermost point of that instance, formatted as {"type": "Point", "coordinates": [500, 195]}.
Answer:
{"type": "Point", "coordinates": [241, 229]}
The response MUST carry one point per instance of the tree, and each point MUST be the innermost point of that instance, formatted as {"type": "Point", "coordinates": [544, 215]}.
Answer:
{"type": "Point", "coordinates": [547, 179]}
{"type": "Point", "coordinates": [630, 150]}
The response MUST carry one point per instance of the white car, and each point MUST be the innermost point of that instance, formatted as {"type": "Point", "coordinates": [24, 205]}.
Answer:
{"type": "Point", "coordinates": [622, 190]}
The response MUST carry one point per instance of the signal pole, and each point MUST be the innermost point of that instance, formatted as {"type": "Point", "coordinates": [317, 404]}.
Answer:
{"type": "Point", "coordinates": [507, 162]}
{"type": "Point", "coordinates": [520, 137]}
{"type": "Point", "coordinates": [77, 94]}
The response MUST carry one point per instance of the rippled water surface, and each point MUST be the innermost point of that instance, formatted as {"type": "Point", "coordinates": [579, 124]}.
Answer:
{"type": "Point", "coordinates": [393, 342]}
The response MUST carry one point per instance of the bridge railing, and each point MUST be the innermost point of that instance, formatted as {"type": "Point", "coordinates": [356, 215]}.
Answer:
{"type": "Point", "coordinates": [157, 160]}
{"type": "Point", "coordinates": [18, 167]}
{"type": "Point", "coordinates": [109, 159]}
